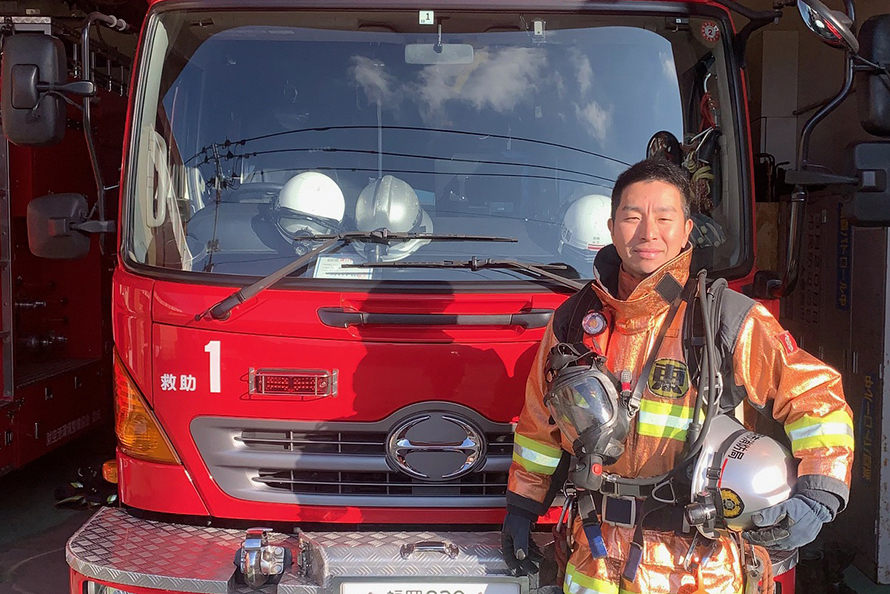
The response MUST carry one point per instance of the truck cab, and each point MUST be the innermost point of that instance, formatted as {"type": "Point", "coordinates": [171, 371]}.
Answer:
{"type": "Point", "coordinates": [466, 126]}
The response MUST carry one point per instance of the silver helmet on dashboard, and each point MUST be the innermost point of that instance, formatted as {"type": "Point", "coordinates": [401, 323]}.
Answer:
{"type": "Point", "coordinates": [392, 204]}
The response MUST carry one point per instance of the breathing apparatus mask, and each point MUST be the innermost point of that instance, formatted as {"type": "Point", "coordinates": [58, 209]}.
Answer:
{"type": "Point", "coordinates": [584, 401]}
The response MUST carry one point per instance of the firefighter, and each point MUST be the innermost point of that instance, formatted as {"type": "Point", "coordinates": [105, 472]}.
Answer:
{"type": "Point", "coordinates": [632, 316]}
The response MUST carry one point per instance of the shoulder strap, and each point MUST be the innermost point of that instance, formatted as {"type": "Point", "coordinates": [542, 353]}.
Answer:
{"type": "Point", "coordinates": [694, 326]}
{"type": "Point", "coordinates": [693, 335]}
{"type": "Point", "coordinates": [676, 295]}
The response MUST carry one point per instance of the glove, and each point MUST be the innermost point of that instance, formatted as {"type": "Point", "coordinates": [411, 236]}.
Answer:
{"type": "Point", "coordinates": [520, 551]}
{"type": "Point", "coordinates": [789, 525]}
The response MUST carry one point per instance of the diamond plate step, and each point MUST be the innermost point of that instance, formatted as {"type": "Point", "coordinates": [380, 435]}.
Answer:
{"type": "Point", "coordinates": [116, 547]}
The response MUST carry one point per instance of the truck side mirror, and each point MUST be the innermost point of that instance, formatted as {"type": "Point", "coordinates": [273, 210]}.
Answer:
{"type": "Point", "coordinates": [832, 27]}
{"type": "Point", "coordinates": [873, 87]}
{"type": "Point", "coordinates": [31, 117]}
{"type": "Point", "coordinates": [870, 203]}
{"type": "Point", "coordinates": [52, 227]}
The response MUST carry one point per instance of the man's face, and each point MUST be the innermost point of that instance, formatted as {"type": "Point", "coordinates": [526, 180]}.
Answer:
{"type": "Point", "coordinates": [649, 228]}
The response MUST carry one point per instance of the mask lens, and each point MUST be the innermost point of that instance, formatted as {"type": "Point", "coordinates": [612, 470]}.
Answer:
{"type": "Point", "coordinates": [579, 401]}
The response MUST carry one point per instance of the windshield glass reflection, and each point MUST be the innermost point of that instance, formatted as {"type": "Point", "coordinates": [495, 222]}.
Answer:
{"type": "Point", "coordinates": [297, 124]}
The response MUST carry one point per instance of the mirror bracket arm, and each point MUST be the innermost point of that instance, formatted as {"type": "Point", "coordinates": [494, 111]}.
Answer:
{"type": "Point", "coordinates": [106, 226]}
{"type": "Point", "coordinates": [80, 88]}
{"type": "Point", "coordinates": [803, 148]}
{"type": "Point", "coordinates": [870, 68]}
{"type": "Point", "coordinates": [800, 194]}
{"type": "Point", "coordinates": [748, 13]}
{"type": "Point", "coordinates": [740, 43]}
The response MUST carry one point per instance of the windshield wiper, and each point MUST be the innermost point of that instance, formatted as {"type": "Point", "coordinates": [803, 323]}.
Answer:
{"type": "Point", "coordinates": [222, 309]}
{"type": "Point", "coordinates": [478, 264]}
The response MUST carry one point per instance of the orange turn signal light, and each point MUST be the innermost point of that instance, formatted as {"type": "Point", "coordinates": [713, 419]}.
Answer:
{"type": "Point", "coordinates": [109, 471]}
{"type": "Point", "coordinates": [139, 434]}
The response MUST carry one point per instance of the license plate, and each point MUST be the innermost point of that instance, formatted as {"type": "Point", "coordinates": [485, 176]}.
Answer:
{"type": "Point", "coordinates": [410, 587]}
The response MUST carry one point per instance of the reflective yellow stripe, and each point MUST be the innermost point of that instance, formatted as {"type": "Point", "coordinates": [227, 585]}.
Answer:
{"type": "Point", "coordinates": [534, 456]}
{"type": "Point", "coordinates": [578, 583]}
{"type": "Point", "coordinates": [663, 419]}
{"type": "Point", "coordinates": [838, 416]}
{"type": "Point", "coordinates": [822, 441]}
{"type": "Point", "coordinates": [833, 430]}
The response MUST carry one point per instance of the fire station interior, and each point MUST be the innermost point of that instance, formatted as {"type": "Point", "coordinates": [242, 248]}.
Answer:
{"type": "Point", "coordinates": [56, 340]}
{"type": "Point", "coordinates": [836, 308]}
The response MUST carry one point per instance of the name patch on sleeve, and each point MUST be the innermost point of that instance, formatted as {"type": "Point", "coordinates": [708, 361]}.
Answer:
{"type": "Point", "coordinates": [788, 342]}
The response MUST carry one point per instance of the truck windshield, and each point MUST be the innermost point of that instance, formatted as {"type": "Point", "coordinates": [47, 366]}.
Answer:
{"type": "Point", "coordinates": [256, 129]}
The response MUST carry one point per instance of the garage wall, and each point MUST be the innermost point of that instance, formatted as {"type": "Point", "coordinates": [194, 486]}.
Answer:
{"type": "Point", "coordinates": [790, 71]}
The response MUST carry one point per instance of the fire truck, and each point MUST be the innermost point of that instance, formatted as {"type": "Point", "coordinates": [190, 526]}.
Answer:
{"type": "Point", "coordinates": [341, 232]}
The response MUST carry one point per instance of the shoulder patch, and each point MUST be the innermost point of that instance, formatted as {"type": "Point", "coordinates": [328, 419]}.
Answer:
{"type": "Point", "coordinates": [788, 342]}
{"type": "Point", "coordinates": [594, 323]}
{"type": "Point", "coordinates": [669, 378]}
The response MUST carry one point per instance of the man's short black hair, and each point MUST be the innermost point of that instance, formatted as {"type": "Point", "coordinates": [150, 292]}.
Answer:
{"type": "Point", "coordinates": [653, 170]}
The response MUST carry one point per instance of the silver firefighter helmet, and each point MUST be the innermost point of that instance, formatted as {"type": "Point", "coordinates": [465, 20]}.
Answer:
{"type": "Point", "coordinates": [585, 229]}
{"type": "Point", "coordinates": [751, 471]}
{"type": "Point", "coordinates": [388, 203]}
{"type": "Point", "coordinates": [310, 203]}
{"type": "Point", "coordinates": [392, 204]}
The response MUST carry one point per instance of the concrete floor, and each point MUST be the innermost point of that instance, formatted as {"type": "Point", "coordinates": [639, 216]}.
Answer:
{"type": "Point", "coordinates": [861, 584]}
{"type": "Point", "coordinates": [33, 532]}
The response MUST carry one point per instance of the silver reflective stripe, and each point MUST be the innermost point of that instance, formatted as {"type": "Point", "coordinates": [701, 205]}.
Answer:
{"type": "Point", "coordinates": [661, 420]}
{"type": "Point", "coordinates": [533, 456]}
{"type": "Point", "coordinates": [821, 429]}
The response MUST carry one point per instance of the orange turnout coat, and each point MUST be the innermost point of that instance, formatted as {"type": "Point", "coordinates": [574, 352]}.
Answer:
{"type": "Point", "coordinates": [762, 366]}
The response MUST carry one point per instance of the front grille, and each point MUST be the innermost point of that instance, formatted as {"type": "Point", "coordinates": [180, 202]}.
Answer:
{"type": "Point", "coordinates": [380, 483]}
{"type": "Point", "coordinates": [321, 442]}
{"type": "Point", "coordinates": [349, 443]}
{"type": "Point", "coordinates": [345, 463]}
{"type": "Point", "coordinates": [352, 442]}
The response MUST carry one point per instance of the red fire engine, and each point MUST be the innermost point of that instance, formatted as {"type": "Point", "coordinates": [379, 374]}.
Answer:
{"type": "Point", "coordinates": [342, 230]}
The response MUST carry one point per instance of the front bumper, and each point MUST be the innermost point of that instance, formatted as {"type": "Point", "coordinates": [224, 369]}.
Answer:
{"type": "Point", "coordinates": [116, 548]}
